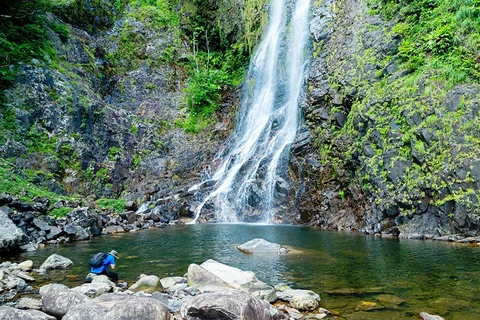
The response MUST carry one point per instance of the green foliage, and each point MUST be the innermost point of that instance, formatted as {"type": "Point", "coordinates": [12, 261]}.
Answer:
{"type": "Point", "coordinates": [22, 40]}
{"type": "Point", "coordinates": [113, 152]}
{"type": "Point", "coordinates": [432, 32]}
{"type": "Point", "coordinates": [60, 212]}
{"type": "Point", "coordinates": [116, 205]}
{"type": "Point", "coordinates": [91, 15]}
{"type": "Point", "coordinates": [14, 182]}
{"type": "Point", "coordinates": [61, 29]}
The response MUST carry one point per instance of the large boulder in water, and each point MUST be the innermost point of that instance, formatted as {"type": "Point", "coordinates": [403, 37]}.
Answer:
{"type": "Point", "coordinates": [262, 246]}
{"type": "Point", "coordinates": [298, 299]}
{"type": "Point", "coordinates": [215, 276]}
{"type": "Point", "coordinates": [9, 313]}
{"type": "Point", "coordinates": [232, 304]}
{"type": "Point", "coordinates": [10, 235]}
{"type": "Point", "coordinates": [113, 306]}
{"type": "Point", "coordinates": [57, 299]}
{"type": "Point", "coordinates": [55, 261]}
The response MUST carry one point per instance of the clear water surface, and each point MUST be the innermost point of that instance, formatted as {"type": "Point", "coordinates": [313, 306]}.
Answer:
{"type": "Point", "coordinates": [344, 268]}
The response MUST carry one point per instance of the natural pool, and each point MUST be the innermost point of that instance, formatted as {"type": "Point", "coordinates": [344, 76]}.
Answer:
{"type": "Point", "coordinates": [344, 268]}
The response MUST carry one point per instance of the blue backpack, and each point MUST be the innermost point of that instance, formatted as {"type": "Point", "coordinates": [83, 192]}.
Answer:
{"type": "Point", "coordinates": [97, 260]}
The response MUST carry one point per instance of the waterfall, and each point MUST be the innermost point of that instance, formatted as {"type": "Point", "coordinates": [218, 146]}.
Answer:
{"type": "Point", "coordinates": [257, 152]}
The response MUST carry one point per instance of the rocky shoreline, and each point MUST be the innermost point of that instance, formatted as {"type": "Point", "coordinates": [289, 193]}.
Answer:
{"type": "Point", "coordinates": [25, 226]}
{"type": "Point", "coordinates": [211, 290]}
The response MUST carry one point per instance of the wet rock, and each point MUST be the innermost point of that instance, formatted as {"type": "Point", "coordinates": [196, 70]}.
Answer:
{"type": "Point", "coordinates": [55, 261]}
{"type": "Point", "coordinates": [228, 305]}
{"type": "Point", "coordinates": [262, 246]}
{"type": "Point", "coordinates": [389, 300]}
{"type": "Point", "coordinates": [368, 306]}
{"type": "Point", "coordinates": [427, 316]}
{"type": "Point", "coordinates": [300, 299]}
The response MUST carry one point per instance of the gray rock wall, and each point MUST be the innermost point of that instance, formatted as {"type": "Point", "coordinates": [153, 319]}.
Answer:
{"type": "Point", "coordinates": [388, 152]}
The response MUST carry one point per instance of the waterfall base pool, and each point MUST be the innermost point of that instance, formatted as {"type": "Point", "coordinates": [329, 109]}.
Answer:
{"type": "Point", "coordinates": [404, 277]}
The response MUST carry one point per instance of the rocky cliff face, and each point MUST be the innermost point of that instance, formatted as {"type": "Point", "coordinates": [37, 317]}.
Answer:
{"type": "Point", "coordinates": [391, 151]}
{"type": "Point", "coordinates": [107, 120]}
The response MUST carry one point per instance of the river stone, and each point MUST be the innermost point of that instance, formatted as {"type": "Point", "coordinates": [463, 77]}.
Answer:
{"type": "Point", "coordinates": [147, 284]}
{"type": "Point", "coordinates": [173, 304]}
{"type": "Point", "coordinates": [232, 304]}
{"type": "Point", "coordinates": [300, 299]}
{"type": "Point", "coordinates": [123, 306]}
{"type": "Point", "coordinates": [215, 276]}
{"type": "Point", "coordinates": [168, 282]}
{"type": "Point", "coordinates": [57, 299]}
{"type": "Point", "coordinates": [98, 286]}
{"type": "Point", "coordinates": [427, 316]}
{"type": "Point", "coordinates": [9, 313]}
{"type": "Point", "coordinates": [261, 246]}
{"type": "Point", "coordinates": [368, 306]}
{"type": "Point", "coordinates": [389, 299]}
{"type": "Point", "coordinates": [56, 261]}
{"type": "Point", "coordinates": [29, 303]}
{"type": "Point", "coordinates": [10, 235]}
{"type": "Point", "coordinates": [26, 265]}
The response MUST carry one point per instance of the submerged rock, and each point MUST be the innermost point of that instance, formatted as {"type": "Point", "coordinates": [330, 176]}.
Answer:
{"type": "Point", "coordinates": [300, 299]}
{"type": "Point", "coordinates": [262, 246]}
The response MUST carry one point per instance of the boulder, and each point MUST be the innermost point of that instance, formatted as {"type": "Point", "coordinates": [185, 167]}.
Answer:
{"type": "Point", "coordinates": [300, 299]}
{"type": "Point", "coordinates": [261, 246]}
{"type": "Point", "coordinates": [233, 278]}
{"type": "Point", "coordinates": [427, 316]}
{"type": "Point", "coordinates": [122, 306]}
{"type": "Point", "coordinates": [9, 313]}
{"type": "Point", "coordinates": [56, 261]}
{"type": "Point", "coordinates": [58, 299]}
{"type": "Point", "coordinates": [173, 304]}
{"type": "Point", "coordinates": [26, 265]}
{"type": "Point", "coordinates": [147, 284]}
{"type": "Point", "coordinates": [99, 285]}
{"type": "Point", "coordinates": [232, 304]}
{"type": "Point", "coordinates": [170, 282]}
{"type": "Point", "coordinates": [10, 235]}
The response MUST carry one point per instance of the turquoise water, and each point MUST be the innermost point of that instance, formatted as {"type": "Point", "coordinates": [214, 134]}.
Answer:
{"type": "Point", "coordinates": [344, 268]}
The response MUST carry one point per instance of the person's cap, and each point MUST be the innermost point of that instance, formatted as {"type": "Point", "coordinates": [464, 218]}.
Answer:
{"type": "Point", "coordinates": [114, 253]}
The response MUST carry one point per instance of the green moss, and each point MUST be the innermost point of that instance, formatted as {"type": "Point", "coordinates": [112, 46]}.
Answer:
{"type": "Point", "coordinates": [116, 205]}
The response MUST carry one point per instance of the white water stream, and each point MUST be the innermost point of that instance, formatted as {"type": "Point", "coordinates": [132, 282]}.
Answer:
{"type": "Point", "coordinates": [268, 118]}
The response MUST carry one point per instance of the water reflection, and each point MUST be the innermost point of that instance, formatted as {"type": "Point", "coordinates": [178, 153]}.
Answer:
{"type": "Point", "coordinates": [344, 268]}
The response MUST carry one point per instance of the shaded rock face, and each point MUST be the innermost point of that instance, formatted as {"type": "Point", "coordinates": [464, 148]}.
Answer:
{"type": "Point", "coordinates": [112, 128]}
{"type": "Point", "coordinates": [373, 187]}
{"type": "Point", "coordinates": [10, 235]}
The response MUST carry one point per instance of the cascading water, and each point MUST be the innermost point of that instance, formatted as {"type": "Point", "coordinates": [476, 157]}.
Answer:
{"type": "Point", "coordinates": [258, 151]}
